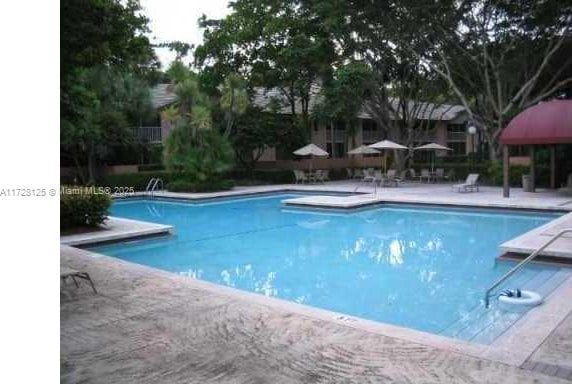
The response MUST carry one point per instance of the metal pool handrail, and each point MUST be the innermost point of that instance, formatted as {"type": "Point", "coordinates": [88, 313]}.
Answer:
{"type": "Point", "coordinates": [153, 184]}
{"type": "Point", "coordinates": [522, 263]}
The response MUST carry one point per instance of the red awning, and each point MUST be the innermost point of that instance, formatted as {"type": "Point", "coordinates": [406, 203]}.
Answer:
{"type": "Point", "coordinates": [545, 123]}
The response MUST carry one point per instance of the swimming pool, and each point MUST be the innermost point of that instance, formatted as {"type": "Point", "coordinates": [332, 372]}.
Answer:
{"type": "Point", "coordinates": [419, 267]}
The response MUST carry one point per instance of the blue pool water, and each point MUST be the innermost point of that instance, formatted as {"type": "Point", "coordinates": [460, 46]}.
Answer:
{"type": "Point", "coordinates": [423, 268]}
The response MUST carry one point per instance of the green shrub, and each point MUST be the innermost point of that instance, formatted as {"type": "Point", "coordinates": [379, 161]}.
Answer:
{"type": "Point", "coordinates": [202, 186]}
{"type": "Point", "coordinates": [275, 176]}
{"type": "Point", "coordinates": [137, 180]}
{"type": "Point", "coordinates": [83, 207]}
{"type": "Point", "coordinates": [150, 167]}
{"type": "Point", "coordinates": [491, 172]}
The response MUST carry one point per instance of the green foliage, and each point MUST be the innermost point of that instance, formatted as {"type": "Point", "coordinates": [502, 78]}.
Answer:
{"type": "Point", "coordinates": [203, 154]}
{"type": "Point", "coordinates": [246, 177]}
{"type": "Point", "coordinates": [137, 180]}
{"type": "Point", "coordinates": [103, 105]}
{"type": "Point", "coordinates": [344, 95]}
{"type": "Point", "coordinates": [214, 185]}
{"type": "Point", "coordinates": [273, 43]}
{"type": "Point", "coordinates": [104, 32]}
{"type": "Point", "coordinates": [490, 172]}
{"type": "Point", "coordinates": [234, 100]}
{"type": "Point", "coordinates": [83, 207]}
{"type": "Point", "coordinates": [256, 130]}
{"type": "Point", "coordinates": [106, 60]}
{"type": "Point", "coordinates": [150, 167]}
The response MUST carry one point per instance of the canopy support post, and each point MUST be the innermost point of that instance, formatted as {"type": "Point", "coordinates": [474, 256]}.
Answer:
{"type": "Point", "coordinates": [553, 167]}
{"type": "Point", "coordinates": [532, 168]}
{"type": "Point", "coordinates": [505, 168]}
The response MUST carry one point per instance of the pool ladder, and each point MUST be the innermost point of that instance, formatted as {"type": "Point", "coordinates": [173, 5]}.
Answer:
{"type": "Point", "coordinates": [522, 263]}
{"type": "Point", "coordinates": [153, 185]}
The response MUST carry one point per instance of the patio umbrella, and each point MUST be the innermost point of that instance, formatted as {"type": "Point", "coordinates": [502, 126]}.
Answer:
{"type": "Point", "coordinates": [434, 147]}
{"type": "Point", "coordinates": [311, 150]}
{"type": "Point", "coordinates": [385, 145]}
{"type": "Point", "coordinates": [363, 150]}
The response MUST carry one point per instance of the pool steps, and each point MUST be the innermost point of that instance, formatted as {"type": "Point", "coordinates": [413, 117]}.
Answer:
{"type": "Point", "coordinates": [483, 326]}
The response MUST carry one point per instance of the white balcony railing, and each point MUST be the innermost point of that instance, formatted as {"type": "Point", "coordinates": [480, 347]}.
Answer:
{"type": "Point", "coordinates": [148, 134]}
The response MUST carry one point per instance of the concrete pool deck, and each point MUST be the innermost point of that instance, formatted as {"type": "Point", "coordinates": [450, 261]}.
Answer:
{"type": "Point", "coordinates": [407, 193]}
{"type": "Point", "coordinates": [148, 325]}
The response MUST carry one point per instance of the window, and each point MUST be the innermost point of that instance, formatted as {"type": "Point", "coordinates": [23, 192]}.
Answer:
{"type": "Point", "coordinates": [456, 132]}
{"type": "Point", "coordinates": [458, 147]}
{"type": "Point", "coordinates": [456, 128]}
{"type": "Point", "coordinates": [340, 125]}
{"type": "Point", "coordinates": [369, 125]}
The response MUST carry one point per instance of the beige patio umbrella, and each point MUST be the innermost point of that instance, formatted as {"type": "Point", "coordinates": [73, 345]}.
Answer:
{"type": "Point", "coordinates": [311, 150]}
{"type": "Point", "coordinates": [363, 150]}
{"type": "Point", "coordinates": [434, 147]}
{"type": "Point", "coordinates": [384, 145]}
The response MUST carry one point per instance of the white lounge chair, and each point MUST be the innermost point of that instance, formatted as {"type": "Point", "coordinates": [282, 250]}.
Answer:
{"type": "Point", "coordinates": [300, 176]}
{"type": "Point", "coordinates": [412, 174]}
{"type": "Point", "coordinates": [425, 174]}
{"type": "Point", "coordinates": [368, 175]}
{"type": "Point", "coordinates": [470, 184]}
{"type": "Point", "coordinates": [391, 178]}
{"type": "Point", "coordinates": [440, 174]}
{"type": "Point", "coordinates": [321, 176]}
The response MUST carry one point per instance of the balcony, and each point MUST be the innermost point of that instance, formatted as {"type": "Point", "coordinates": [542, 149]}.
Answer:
{"type": "Point", "coordinates": [150, 135]}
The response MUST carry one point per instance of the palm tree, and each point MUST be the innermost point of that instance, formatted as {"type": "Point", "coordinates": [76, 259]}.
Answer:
{"type": "Point", "coordinates": [234, 100]}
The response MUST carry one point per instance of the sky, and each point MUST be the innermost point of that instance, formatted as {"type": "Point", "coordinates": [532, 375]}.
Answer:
{"type": "Point", "coordinates": [177, 20]}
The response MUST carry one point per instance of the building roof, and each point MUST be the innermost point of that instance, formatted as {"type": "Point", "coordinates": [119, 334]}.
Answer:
{"type": "Point", "coordinates": [163, 95]}
{"type": "Point", "coordinates": [545, 123]}
{"type": "Point", "coordinates": [263, 98]}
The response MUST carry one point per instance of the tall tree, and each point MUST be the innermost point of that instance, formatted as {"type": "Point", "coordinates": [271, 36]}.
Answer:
{"type": "Point", "coordinates": [234, 100]}
{"type": "Point", "coordinates": [106, 105]}
{"type": "Point", "coordinates": [273, 44]}
{"type": "Point", "coordinates": [104, 53]}
{"type": "Point", "coordinates": [500, 57]}
{"type": "Point", "coordinates": [342, 97]}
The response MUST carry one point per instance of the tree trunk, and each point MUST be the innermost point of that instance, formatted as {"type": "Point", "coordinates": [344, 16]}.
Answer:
{"type": "Point", "coordinates": [92, 165]}
{"type": "Point", "coordinates": [79, 169]}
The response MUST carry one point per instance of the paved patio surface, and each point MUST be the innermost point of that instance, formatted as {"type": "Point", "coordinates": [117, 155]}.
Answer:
{"type": "Point", "coordinates": [150, 326]}
{"type": "Point", "coordinates": [439, 193]}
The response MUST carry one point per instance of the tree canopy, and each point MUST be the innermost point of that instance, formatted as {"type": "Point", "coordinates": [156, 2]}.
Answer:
{"type": "Point", "coordinates": [493, 57]}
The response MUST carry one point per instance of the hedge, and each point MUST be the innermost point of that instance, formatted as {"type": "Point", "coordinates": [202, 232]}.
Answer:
{"type": "Point", "coordinates": [205, 186]}
{"type": "Point", "coordinates": [276, 176]}
{"type": "Point", "coordinates": [137, 180]}
{"type": "Point", "coordinates": [83, 207]}
{"type": "Point", "coordinates": [491, 172]}
{"type": "Point", "coordinates": [150, 167]}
